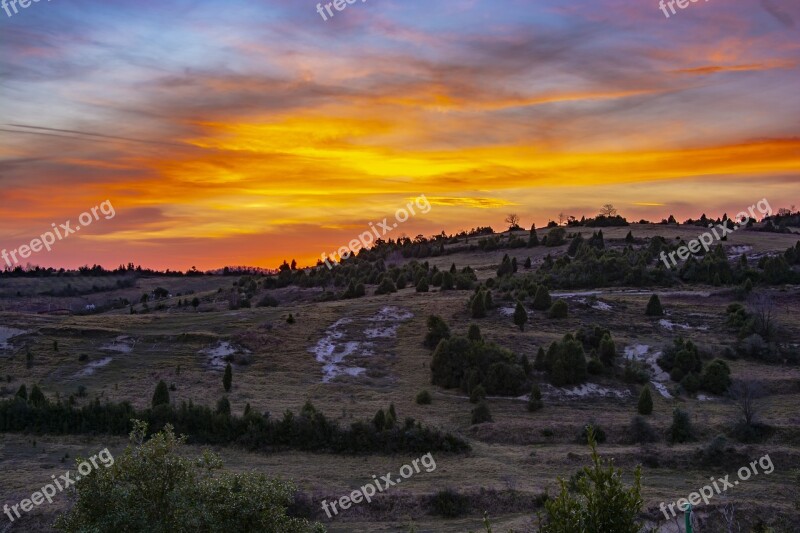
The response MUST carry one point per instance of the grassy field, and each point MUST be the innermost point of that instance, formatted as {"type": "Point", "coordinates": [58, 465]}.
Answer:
{"type": "Point", "coordinates": [118, 356]}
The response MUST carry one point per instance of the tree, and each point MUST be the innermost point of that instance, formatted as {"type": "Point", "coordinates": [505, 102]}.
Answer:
{"type": "Point", "coordinates": [186, 495]}
{"type": "Point", "coordinates": [474, 333]}
{"type": "Point", "coordinates": [542, 300]}
{"type": "Point", "coordinates": [161, 395]}
{"type": "Point", "coordinates": [227, 378]}
{"type": "Point", "coordinates": [608, 210]}
{"type": "Point", "coordinates": [645, 405]}
{"type": "Point", "coordinates": [37, 397]}
{"type": "Point", "coordinates": [533, 240]}
{"type": "Point", "coordinates": [195, 303]}
{"type": "Point", "coordinates": [224, 406]}
{"type": "Point", "coordinates": [535, 399]}
{"type": "Point", "coordinates": [717, 377]}
{"type": "Point", "coordinates": [561, 218]}
{"type": "Point", "coordinates": [478, 305]}
{"type": "Point", "coordinates": [527, 263]}
{"type": "Point", "coordinates": [513, 221]}
{"type": "Point", "coordinates": [520, 316]}
{"type": "Point", "coordinates": [601, 502]}
{"type": "Point", "coordinates": [629, 237]}
{"type": "Point", "coordinates": [654, 306]}
{"type": "Point", "coordinates": [437, 330]}
{"type": "Point", "coordinates": [481, 414]}
{"type": "Point", "coordinates": [608, 350]}
{"type": "Point", "coordinates": [22, 392]}
{"type": "Point", "coordinates": [422, 286]}
{"type": "Point", "coordinates": [746, 394]}
{"type": "Point", "coordinates": [681, 428]}
{"type": "Point", "coordinates": [477, 394]}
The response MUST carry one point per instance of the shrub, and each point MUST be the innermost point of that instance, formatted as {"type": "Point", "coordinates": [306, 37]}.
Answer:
{"type": "Point", "coordinates": [161, 394]}
{"type": "Point", "coordinates": [474, 333]}
{"type": "Point", "coordinates": [595, 367]}
{"type": "Point", "coordinates": [601, 503]}
{"type": "Point", "coordinates": [717, 377]}
{"type": "Point", "coordinates": [224, 406]}
{"type": "Point", "coordinates": [691, 383]}
{"type": "Point", "coordinates": [645, 405]}
{"type": "Point", "coordinates": [422, 286]}
{"type": "Point", "coordinates": [520, 316]}
{"type": "Point", "coordinates": [654, 307]}
{"type": "Point", "coordinates": [681, 428]}
{"type": "Point", "coordinates": [227, 378]}
{"type": "Point", "coordinates": [535, 399]}
{"type": "Point", "coordinates": [478, 304]}
{"type": "Point", "coordinates": [565, 362]}
{"type": "Point", "coordinates": [449, 504]}
{"type": "Point", "coordinates": [542, 300]}
{"type": "Point", "coordinates": [290, 319]}
{"type": "Point", "coordinates": [556, 237]}
{"type": "Point", "coordinates": [608, 350]}
{"type": "Point", "coordinates": [477, 394]}
{"type": "Point", "coordinates": [481, 414]}
{"type": "Point", "coordinates": [184, 496]}
{"type": "Point", "coordinates": [599, 434]}
{"type": "Point", "coordinates": [424, 398]}
{"type": "Point", "coordinates": [36, 397]}
{"type": "Point", "coordinates": [559, 309]}
{"type": "Point", "coordinates": [437, 330]}
{"type": "Point", "coordinates": [640, 432]}
{"type": "Point", "coordinates": [386, 286]}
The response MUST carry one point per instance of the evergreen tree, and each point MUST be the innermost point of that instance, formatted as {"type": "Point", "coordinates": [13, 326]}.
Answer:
{"type": "Point", "coordinates": [533, 240]}
{"type": "Point", "coordinates": [22, 392]}
{"type": "Point", "coordinates": [528, 263]}
{"type": "Point", "coordinates": [379, 421]}
{"type": "Point", "coordinates": [161, 395]}
{"type": "Point", "coordinates": [599, 503]}
{"type": "Point", "coordinates": [629, 237]}
{"type": "Point", "coordinates": [540, 363]}
{"type": "Point", "coordinates": [474, 333]}
{"type": "Point", "coordinates": [227, 378]}
{"type": "Point", "coordinates": [478, 306]}
{"type": "Point", "coordinates": [422, 286]}
{"type": "Point", "coordinates": [681, 428]}
{"type": "Point", "coordinates": [520, 316]}
{"type": "Point", "coordinates": [224, 406]}
{"type": "Point", "coordinates": [437, 330]}
{"type": "Point", "coordinates": [608, 350]}
{"type": "Point", "coordinates": [559, 309]}
{"type": "Point", "coordinates": [645, 405]}
{"type": "Point", "coordinates": [542, 300]}
{"type": "Point", "coordinates": [37, 398]}
{"type": "Point", "coordinates": [654, 307]}
{"type": "Point", "coordinates": [535, 399]}
{"type": "Point", "coordinates": [477, 394]}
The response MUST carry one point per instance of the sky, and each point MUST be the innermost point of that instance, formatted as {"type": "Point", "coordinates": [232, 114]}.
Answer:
{"type": "Point", "coordinates": [249, 132]}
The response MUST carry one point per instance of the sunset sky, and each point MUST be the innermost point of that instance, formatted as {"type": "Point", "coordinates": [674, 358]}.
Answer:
{"type": "Point", "coordinates": [245, 133]}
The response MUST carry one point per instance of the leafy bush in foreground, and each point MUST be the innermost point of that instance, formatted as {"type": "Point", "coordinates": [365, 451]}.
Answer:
{"type": "Point", "coordinates": [154, 487]}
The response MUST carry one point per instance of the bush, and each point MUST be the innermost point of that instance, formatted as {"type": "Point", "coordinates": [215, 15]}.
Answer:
{"type": "Point", "coordinates": [474, 333]}
{"type": "Point", "coordinates": [449, 504]}
{"type": "Point", "coordinates": [161, 394]}
{"type": "Point", "coordinates": [520, 316]}
{"type": "Point", "coordinates": [477, 394]}
{"type": "Point", "coordinates": [681, 428]}
{"type": "Point", "coordinates": [424, 398]}
{"type": "Point", "coordinates": [555, 237]}
{"type": "Point", "coordinates": [437, 330]}
{"type": "Point", "coordinates": [481, 414]}
{"type": "Point", "coordinates": [559, 309]}
{"type": "Point", "coordinates": [595, 367]}
{"type": "Point", "coordinates": [386, 286]}
{"type": "Point", "coordinates": [477, 304]}
{"type": "Point", "coordinates": [645, 405]}
{"type": "Point", "coordinates": [565, 362]}
{"type": "Point", "coordinates": [717, 377]}
{"type": "Point", "coordinates": [535, 399]}
{"type": "Point", "coordinates": [608, 350]}
{"type": "Point", "coordinates": [640, 432]}
{"type": "Point", "coordinates": [186, 495]}
{"type": "Point", "coordinates": [422, 286]}
{"type": "Point", "coordinates": [224, 407]}
{"type": "Point", "coordinates": [599, 434]}
{"type": "Point", "coordinates": [654, 307]}
{"type": "Point", "coordinates": [542, 300]}
{"type": "Point", "coordinates": [602, 503]}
